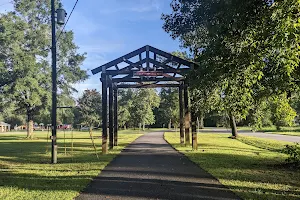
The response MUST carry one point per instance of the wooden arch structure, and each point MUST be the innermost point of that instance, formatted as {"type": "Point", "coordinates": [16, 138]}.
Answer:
{"type": "Point", "coordinates": [146, 67]}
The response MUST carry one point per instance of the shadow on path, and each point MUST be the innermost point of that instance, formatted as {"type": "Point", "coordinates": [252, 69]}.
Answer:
{"type": "Point", "coordinates": [150, 168]}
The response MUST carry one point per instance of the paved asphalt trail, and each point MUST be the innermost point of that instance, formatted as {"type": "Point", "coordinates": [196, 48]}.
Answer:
{"type": "Point", "coordinates": [286, 138]}
{"type": "Point", "coordinates": [149, 168]}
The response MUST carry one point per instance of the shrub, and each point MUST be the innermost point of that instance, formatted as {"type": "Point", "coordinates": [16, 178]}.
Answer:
{"type": "Point", "coordinates": [293, 151]}
{"type": "Point", "coordinates": [282, 113]}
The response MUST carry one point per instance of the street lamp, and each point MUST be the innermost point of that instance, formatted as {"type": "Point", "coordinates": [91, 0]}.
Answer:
{"type": "Point", "coordinates": [61, 14]}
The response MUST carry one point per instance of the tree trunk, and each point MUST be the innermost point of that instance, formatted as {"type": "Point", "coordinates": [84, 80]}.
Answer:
{"type": "Point", "coordinates": [278, 128]}
{"type": "Point", "coordinates": [233, 126]}
{"type": "Point", "coordinates": [201, 122]}
{"type": "Point", "coordinates": [170, 124]}
{"type": "Point", "coordinates": [143, 126]}
{"type": "Point", "coordinates": [93, 142]}
{"type": "Point", "coordinates": [29, 126]}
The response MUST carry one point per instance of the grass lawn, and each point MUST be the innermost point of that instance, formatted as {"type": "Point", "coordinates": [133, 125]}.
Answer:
{"type": "Point", "coordinates": [26, 172]}
{"type": "Point", "coordinates": [294, 131]}
{"type": "Point", "coordinates": [252, 170]}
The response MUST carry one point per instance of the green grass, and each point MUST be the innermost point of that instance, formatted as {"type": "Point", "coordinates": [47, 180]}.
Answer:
{"type": "Point", "coordinates": [267, 144]}
{"type": "Point", "coordinates": [252, 170]}
{"type": "Point", "coordinates": [294, 131]}
{"type": "Point", "coordinates": [26, 172]}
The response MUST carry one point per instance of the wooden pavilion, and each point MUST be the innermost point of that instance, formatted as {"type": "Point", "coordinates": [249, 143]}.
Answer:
{"type": "Point", "coordinates": [146, 67]}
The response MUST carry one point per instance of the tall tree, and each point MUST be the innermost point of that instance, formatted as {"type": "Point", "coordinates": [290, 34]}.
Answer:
{"type": "Point", "coordinates": [168, 110]}
{"type": "Point", "coordinates": [29, 83]}
{"type": "Point", "coordinates": [90, 108]}
{"type": "Point", "coordinates": [13, 58]}
{"type": "Point", "coordinates": [31, 95]}
{"type": "Point", "coordinates": [144, 101]}
{"type": "Point", "coordinates": [125, 100]}
{"type": "Point", "coordinates": [243, 48]}
{"type": "Point", "coordinates": [65, 115]}
{"type": "Point", "coordinates": [203, 101]}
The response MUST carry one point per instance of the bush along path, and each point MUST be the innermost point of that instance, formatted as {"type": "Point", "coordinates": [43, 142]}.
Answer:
{"type": "Point", "coordinates": [149, 168]}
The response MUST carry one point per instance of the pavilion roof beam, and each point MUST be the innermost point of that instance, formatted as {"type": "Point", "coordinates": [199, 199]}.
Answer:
{"type": "Point", "coordinates": [155, 62]}
{"type": "Point", "coordinates": [119, 60]}
{"type": "Point", "coordinates": [167, 61]}
{"type": "Point", "coordinates": [127, 71]}
{"type": "Point", "coordinates": [132, 64]}
{"type": "Point", "coordinates": [177, 69]}
{"type": "Point", "coordinates": [170, 56]}
{"type": "Point", "coordinates": [130, 75]}
{"type": "Point", "coordinates": [154, 57]}
{"type": "Point", "coordinates": [147, 57]}
{"type": "Point", "coordinates": [149, 79]}
{"type": "Point", "coordinates": [147, 86]}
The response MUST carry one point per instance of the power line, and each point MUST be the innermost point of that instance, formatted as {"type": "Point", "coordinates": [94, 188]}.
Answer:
{"type": "Point", "coordinates": [66, 21]}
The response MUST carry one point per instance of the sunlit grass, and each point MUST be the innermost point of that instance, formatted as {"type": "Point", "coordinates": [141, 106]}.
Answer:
{"type": "Point", "coordinates": [252, 172]}
{"type": "Point", "coordinates": [26, 172]}
{"type": "Point", "coordinates": [294, 131]}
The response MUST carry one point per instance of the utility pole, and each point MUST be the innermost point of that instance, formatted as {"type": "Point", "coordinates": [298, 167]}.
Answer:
{"type": "Point", "coordinates": [60, 19]}
{"type": "Point", "coordinates": [54, 86]}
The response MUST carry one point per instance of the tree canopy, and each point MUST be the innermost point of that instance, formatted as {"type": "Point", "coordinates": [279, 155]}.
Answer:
{"type": "Point", "coordinates": [25, 68]}
{"type": "Point", "coordinates": [245, 50]}
{"type": "Point", "coordinates": [168, 110]}
{"type": "Point", "coordinates": [90, 108]}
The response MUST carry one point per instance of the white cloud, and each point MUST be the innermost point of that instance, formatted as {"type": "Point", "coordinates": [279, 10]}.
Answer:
{"type": "Point", "coordinates": [139, 6]}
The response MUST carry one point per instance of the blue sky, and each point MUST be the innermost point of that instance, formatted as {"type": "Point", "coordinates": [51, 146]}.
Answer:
{"type": "Point", "coordinates": [107, 29]}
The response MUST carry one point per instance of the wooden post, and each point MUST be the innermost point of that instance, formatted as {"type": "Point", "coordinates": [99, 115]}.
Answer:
{"type": "Point", "coordinates": [187, 115]}
{"type": "Point", "coordinates": [147, 57]}
{"type": "Point", "coordinates": [181, 113]}
{"type": "Point", "coordinates": [116, 116]}
{"type": "Point", "coordinates": [194, 131]}
{"type": "Point", "coordinates": [111, 114]}
{"type": "Point", "coordinates": [104, 110]}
